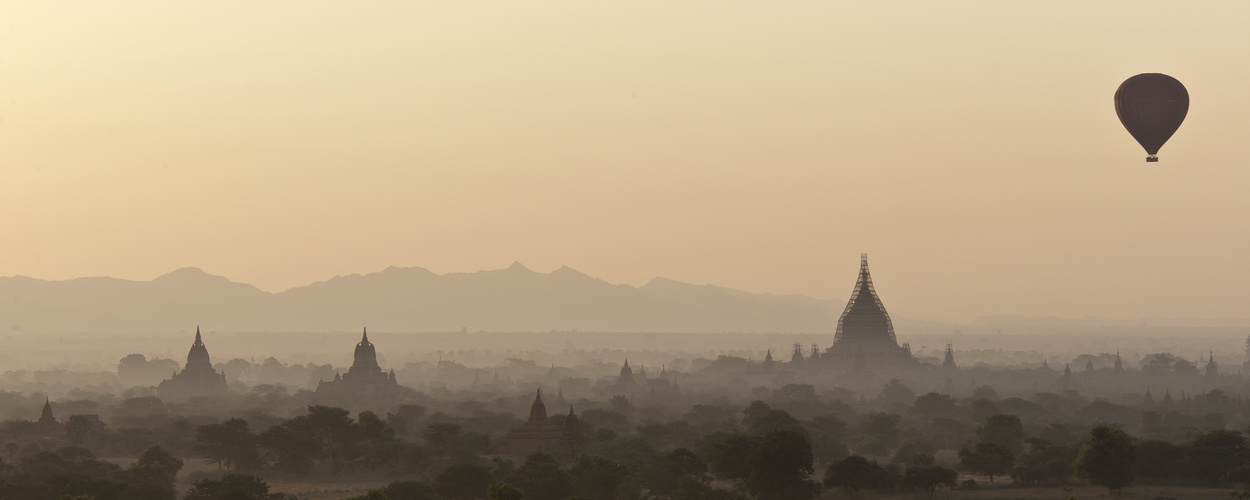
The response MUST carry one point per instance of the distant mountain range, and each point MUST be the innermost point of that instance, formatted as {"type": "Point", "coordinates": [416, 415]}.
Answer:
{"type": "Point", "coordinates": [402, 300]}
{"type": "Point", "coordinates": [514, 299]}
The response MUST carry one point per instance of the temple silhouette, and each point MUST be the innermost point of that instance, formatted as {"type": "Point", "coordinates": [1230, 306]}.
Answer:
{"type": "Point", "coordinates": [865, 333]}
{"type": "Point", "coordinates": [364, 383]}
{"type": "Point", "coordinates": [540, 434]}
{"type": "Point", "coordinates": [197, 378]}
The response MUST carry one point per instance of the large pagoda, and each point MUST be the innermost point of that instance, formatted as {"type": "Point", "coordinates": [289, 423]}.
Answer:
{"type": "Point", "coordinates": [197, 379]}
{"type": "Point", "coordinates": [865, 331]}
{"type": "Point", "coordinates": [364, 384]}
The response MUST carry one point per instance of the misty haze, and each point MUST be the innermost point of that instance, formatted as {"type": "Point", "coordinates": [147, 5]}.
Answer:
{"type": "Point", "coordinates": [960, 250]}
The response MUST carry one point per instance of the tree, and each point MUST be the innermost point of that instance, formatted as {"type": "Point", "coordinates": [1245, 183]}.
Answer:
{"type": "Point", "coordinates": [857, 473]}
{"type": "Point", "coordinates": [233, 487]}
{"type": "Point", "coordinates": [442, 437]}
{"type": "Point", "coordinates": [725, 454]}
{"type": "Point", "coordinates": [158, 458]}
{"type": "Point", "coordinates": [985, 392]}
{"type": "Point", "coordinates": [405, 417]}
{"type": "Point", "coordinates": [504, 491]}
{"type": "Point", "coordinates": [291, 446]}
{"type": "Point", "coordinates": [1213, 454]}
{"type": "Point", "coordinates": [780, 467]}
{"type": "Point", "coordinates": [882, 432]}
{"type": "Point", "coordinates": [927, 476]}
{"type": "Point", "coordinates": [1160, 459]}
{"type": "Point", "coordinates": [987, 458]}
{"type": "Point", "coordinates": [797, 392]}
{"type": "Point", "coordinates": [934, 404]}
{"type": "Point", "coordinates": [374, 429]}
{"type": "Point", "coordinates": [911, 451]}
{"type": "Point", "coordinates": [540, 478]}
{"type": "Point", "coordinates": [710, 418]}
{"type": "Point", "coordinates": [371, 495]}
{"type": "Point", "coordinates": [897, 395]}
{"type": "Point", "coordinates": [760, 419]}
{"type": "Point", "coordinates": [1003, 430]}
{"type": "Point", "coordinates": [462, 482]}
{"type": "Point", "coordinates": [596, 477]}
{"type": "Point", "coordinates": [78, 429]}
{"type": "Point", "coordinates": [410, 490]}
{"type": "Point", "coordinates": [621, 404]}
{"type": "Point", "coordinates": [982, 409]}
{"type": "Point", "coordinates": [1107, 459]}
{"type": "Point", "coordinates": [1044, 462]}
{"type": "Point", "coordinates": [335, 431]}
{"type": "Point", "coordinates": [602, 418]}
{"type": "Point", "coordinates": [229, 444]}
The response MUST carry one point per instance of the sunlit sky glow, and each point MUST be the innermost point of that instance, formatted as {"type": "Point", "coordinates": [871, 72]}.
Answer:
{"type": "Point", "coordinates": [970, 148]}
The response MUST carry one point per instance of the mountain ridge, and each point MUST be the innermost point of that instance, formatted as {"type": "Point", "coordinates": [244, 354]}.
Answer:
{"type": "Point", "coordinates": [514, 298]}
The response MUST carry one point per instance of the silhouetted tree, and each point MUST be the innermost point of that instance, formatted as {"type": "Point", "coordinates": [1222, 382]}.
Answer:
{"type": "Point", "coordinates": [291, 446]}
{"type": "Point", "coordinates": [541, 478]}
{"type": "Point", "coordinates": [897, 395]}
{"type": "Point", "coordinates": [857, 473]}
{"type": "Point", "coordinates": [760, 419]}
{"type": "Point", "coordinates": [934, 404]}
{"type": "Point", "coordinates": [1214, 454]}
{"type": "Point", "coordinates": [727, 455]}
{"type": "Point", "coordinates": [156, 457]}
{"type": "Point", "coordinates": [504, 491]}
{"type": "Point", "coordinates": [780, 466]}
{"type": "Point", "coordinates": [1107, 459]}
{"type": "Point", "coordinates": [233, 487]}
{"type": "Point", "coordinates": [881, 429]}
{"type": "Point", "coordinates": [595, 477]}
{"type": "Point", "coordinates": [925, 475]}
{"type": "Point", "coordinates": [229, 444]}
{"type": "Point", "coordinates": [374, 429]}
{"type": "Point", "coordinates": [989, 459]}
{"type": "Point", "coordinates": [410, 490]}
{"type": "Point", "coordinates": [462, 482]}
{"type": "Point", "coordinates": [77, 430]}
{"type": "Point", "coordinates": [334, 430]}
{"type": "Point", "coordinates": [1160, 459]}
{"type": "Point", "coordinates": [1003, 430]}
{"type": "Point", "coordinates": [1044, 462]}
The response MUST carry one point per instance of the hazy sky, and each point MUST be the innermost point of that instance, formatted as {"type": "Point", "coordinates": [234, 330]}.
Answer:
{"type": "Point", "coordinates": [971, 148]}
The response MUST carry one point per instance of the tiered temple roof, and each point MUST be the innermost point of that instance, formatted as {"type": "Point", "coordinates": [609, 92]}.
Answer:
{"type": "Point", "coordinates": [197, 379]}
{"type": "Point", "coordinates": [538, 433]}
{"type": "Point", "coordinates": [865, 327]}
{"type": "Point", "coordinates": [364, 383]}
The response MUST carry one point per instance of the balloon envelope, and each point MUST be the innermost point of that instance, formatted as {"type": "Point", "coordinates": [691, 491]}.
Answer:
{"type": "Point", "coordinates": [1151, 106]}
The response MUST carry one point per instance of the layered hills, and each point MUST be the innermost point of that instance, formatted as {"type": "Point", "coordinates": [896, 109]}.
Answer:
{"type": "Point", "coordinates": [397, 299]}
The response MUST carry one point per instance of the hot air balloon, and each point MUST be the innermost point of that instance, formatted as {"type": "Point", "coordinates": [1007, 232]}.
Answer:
{"type": "Point", "coordinates": [1151, 106]}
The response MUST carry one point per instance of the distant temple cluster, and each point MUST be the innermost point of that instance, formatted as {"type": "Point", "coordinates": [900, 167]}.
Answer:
{"type": "Point", "coordinates": [364, 383]}
{"type": "Point", "coordinates": [630, 384]}
{"type": "Point", "coordinates": [863, 343]}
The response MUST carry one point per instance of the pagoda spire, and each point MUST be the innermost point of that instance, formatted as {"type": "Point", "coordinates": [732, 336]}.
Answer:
{"type": "Point", "coordinates": [197, 337]}
{"type": "Point", "coordinates": [46, 416]}
{"type": "Point", "coordinates": [865, 324]}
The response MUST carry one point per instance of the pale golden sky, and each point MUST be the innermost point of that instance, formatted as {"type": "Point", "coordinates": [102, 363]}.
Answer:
{"type": "Point", "coordinates": [971, 148]}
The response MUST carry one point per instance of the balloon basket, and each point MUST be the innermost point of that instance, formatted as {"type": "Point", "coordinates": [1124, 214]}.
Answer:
{"type": "Point", "coordinates": [1152, 159]}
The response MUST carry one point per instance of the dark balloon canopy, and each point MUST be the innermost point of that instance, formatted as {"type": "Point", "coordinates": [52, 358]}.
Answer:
{"type": "Point", "coordinates": [1151, 106]}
